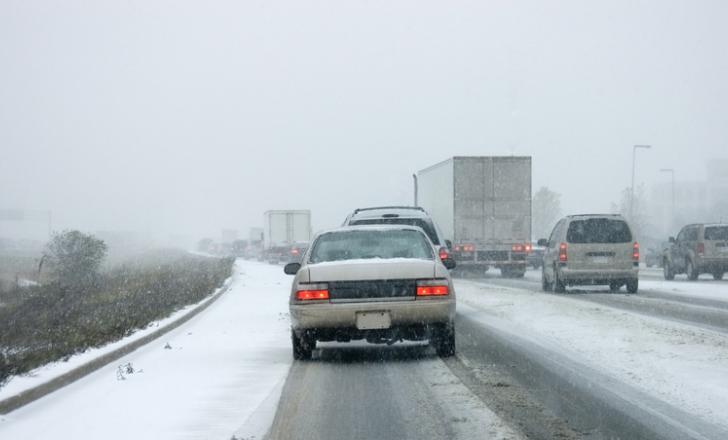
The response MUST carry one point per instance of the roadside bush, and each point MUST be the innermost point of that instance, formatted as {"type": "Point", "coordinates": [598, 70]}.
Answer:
{"type": "Point", "coordinates": [52, 322]}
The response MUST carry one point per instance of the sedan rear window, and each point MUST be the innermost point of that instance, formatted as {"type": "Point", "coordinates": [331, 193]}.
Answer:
{"type": "Point", "coordinates": [350, 245]}
{"type": "Point", "coordinates": [598, 230]}
{"type": "Point", "coordinates": [716, 233]}
{"type": "Point", "coordinates": [426, 226]}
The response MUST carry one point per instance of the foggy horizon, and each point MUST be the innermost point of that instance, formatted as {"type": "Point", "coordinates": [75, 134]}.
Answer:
{"type": "Point", "coordinates": [174, 118]}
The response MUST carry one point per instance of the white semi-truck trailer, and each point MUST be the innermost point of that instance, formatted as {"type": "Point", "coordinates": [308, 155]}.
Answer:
{"type": "Point", "coordinates": [482, 205]}
{"type": "Point", "coordinates": [286, 234]}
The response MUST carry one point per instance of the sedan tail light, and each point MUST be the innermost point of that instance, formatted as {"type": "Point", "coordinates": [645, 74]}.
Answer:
{"type": "Point", "coordinates": [436, 287]}
{"type": "Point", "coordinates": [309, 292]}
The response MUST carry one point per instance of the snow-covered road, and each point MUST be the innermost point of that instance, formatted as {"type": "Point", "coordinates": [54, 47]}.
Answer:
{"type": "Point", "coordinates": [529, 364]}
{"type": "Point", "coordinates": [215, 376]}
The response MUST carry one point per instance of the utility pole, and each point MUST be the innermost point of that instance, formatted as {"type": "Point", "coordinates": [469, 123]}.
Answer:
{"type": "Point", "coordinates": [631, 197]}
{"type": "Point", "coordinates": [414, 176]}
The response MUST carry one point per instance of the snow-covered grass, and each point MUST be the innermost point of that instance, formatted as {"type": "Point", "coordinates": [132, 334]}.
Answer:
{"type": "Point", "coordinates": [678, 363]}
{"type": "Point", "coordinates": [18, 384]}
{"type": "Point", "coordinates": [218, 374]}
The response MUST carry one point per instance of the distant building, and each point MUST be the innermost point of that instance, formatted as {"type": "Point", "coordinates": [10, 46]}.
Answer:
{"type": "Point", "coordinates": [696, 201]}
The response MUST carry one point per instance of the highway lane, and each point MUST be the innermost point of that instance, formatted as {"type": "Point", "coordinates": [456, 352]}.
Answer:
{"type": "Point", "coordinates": [360, 391]}
{"type": "Point", "coordinates": [694, 310]}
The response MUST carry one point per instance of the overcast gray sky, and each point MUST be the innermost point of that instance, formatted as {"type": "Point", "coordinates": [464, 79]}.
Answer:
{"type": "Point", "coordinates": [190, 116]}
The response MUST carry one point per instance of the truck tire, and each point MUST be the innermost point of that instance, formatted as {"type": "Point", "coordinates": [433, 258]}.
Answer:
{"type": "Point", "coordinates": [302, 347]}
{"type": "Point", "coordinates": [632, 285]}
{"type": "Point", "coordinates": [667, 270]}
{"type": "Point", "coordinates": [691, 270]}
{"type": "Point", "coordinates": [614, 286]}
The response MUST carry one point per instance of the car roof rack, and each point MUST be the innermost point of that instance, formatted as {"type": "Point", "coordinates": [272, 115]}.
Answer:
{"type": "Point", "coordinates": [418, 208]}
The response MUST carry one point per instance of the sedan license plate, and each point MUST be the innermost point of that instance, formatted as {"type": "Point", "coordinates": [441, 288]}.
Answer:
{"type": "Point", "coordinates": [600, 260]}
{"type": "Point", "coordinates": [373, 320]}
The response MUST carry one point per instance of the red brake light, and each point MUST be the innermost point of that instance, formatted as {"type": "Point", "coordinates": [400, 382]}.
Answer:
{"type": "Point", "coordinates": [636, 251]}
{"type": "Point", "coordinates": [294, 251]}
{"type": "Point", "coordinates": [443, 253]}
{"type": "Point", "coordinates": [468, 248]}
{"type": "Point", "coordinates": [432, 290]}
{"type": "Point", "coordinates": [305, 295]}
{"type": "Point", "coordinates": [517, 248]}
{"type": "Point", "coordinates": [701, 248]}
{"type": "Point", "coordinates": [563, 257]}
{"type": "Point", "coordinates": [527, 248]}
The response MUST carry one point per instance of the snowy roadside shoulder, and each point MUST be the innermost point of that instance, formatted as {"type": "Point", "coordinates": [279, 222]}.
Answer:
{"type": "Point", "coordinates": [23, 389]}
{"type": "Point", "coordinates": [660, 357]}
{"type": "Point", "coordinates": [216, 376]}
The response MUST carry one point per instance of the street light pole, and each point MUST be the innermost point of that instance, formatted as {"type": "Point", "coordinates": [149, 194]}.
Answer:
{"type": "Point", "coordinates": [414, 177]}
{"type": "Point", "coordinates": [672, 207]}
{"type": "Point", "coordinates": [631, 197]}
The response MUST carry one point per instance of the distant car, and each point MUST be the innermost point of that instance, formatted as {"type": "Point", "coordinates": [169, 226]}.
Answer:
{"type": "Point", "coordinates": [379, 283]}
{"type": "Point", "coordinates": [699, 248]}
{"type": "Point", "coordinates": [401, 215]}
{"type": "Point", "coordinates": [535, 257]}
{"type": "Point", "coordinates": [654, 255]}
{"type": "Point", "coordinates": [591, 249]}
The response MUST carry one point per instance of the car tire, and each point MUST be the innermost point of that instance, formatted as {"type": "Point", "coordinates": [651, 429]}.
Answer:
{"type": "Point", "coordinates": [444, 340]}
{"type": "Point", "coordinates": [718, 275]}
{"type": "Point", "coordinates": [691, 270]}
{"type": "Point", "coordinates": [614, 287]}
{"type": "Point", "coordinates": [667, 270]}
{"type": "Point", "coordinates": [559, 286]}
{"type": "Point", "coordinates": [302, 347]}
{"type": "Point", "coordinates": [632, 285]}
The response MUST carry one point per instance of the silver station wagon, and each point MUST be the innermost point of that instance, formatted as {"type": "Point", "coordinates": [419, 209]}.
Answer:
{"type": "Point", "coordinates": [381, 283]}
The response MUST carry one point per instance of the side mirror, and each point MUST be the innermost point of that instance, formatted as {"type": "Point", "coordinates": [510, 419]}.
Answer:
{"type": "Point", "coordinates": [542, 242]}
{"type": "Point", "coordinates": [291, 268]}
{"type": "Point", "coordinates": [449, 263]}
{"type": "Point", "coordinates": [448, 243]}
{"type": "Point", "coordinates": [671, 239]}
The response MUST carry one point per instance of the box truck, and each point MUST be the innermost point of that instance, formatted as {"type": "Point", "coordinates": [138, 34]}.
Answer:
{"type": "Point", "coordinates": [483, 207]}
{"type": "Point", "coordinates": [286, 234]}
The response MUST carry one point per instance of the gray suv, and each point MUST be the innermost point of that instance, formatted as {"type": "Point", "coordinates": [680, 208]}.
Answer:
{"type": "Point", "coordinates": [401, 215]}
{"type": "Point", "coordinates": [699, 248]}
{"type": "Point", "coordinates": [590, 249]}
